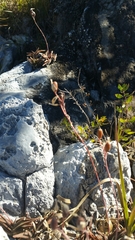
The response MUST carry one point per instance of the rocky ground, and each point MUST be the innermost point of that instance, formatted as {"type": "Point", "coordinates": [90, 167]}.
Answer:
{"type": "Point", "coordinates": [94, 42]}
{"type": "Point", "coordinates": [95, 46]}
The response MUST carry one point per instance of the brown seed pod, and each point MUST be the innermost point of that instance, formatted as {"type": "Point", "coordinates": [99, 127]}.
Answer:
{"type": "Point", "coordinates": [104, 225]}
{"type": "Point", "coordinates": [54, 86]}
{"type": "Point", "coordinates": [99, 133]}
{"type": "Point", "coordinates": [107, 146]}
{"type": "Point", "coordinates": [54, 223]}
{"type": "Point", "coordinates": [33, 14]}
{"type": "Point", "coordinates": [81, 223]}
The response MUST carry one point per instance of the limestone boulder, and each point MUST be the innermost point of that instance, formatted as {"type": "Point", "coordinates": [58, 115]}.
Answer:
{"type": "Point", "coordinates": [24, 140]}
{"type": "Point", "coordinates": [26, 177]}
{"type": "Point", "coordinates": [39, 191]}
{"type": "Point", "coordinates": [75, 175]}
{"type": "Point", "coordinates": [11, 194]}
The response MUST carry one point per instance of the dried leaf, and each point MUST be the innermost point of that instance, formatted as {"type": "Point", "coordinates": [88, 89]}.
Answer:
{"type": "Point", "coordinates": [64, 200]}
{"type": "Point", "coordinates": [23, 235]}
{"type": "Point", "coordinates": [41, 58]}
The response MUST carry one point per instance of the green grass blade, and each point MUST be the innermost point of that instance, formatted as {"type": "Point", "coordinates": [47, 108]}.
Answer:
{"type": "Point", "coordinates": [123, 190]}
{"type": "Point", "coordinates": [133, 229]}
{"type": "Point", "coordinates": [124, 200]}
{"type": "Point", "coordinates": [131, 225]}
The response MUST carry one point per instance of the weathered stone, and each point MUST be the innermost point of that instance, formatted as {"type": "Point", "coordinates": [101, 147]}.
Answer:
{"type": "Point", "coordinates": [24, 140]}
{"type": "Point", "coordinates": [39, 192]}
{"type": "Point", "coordinates": [22, 82]}
{"type": "Point", "coordinates": [25, 149]}
{"type": "Point", "coordinates": [12, 50]}
{"type": "Point", "coordinates": [3, 235]}
{"type": "Point", "coordinates": [68, 168]}
{"type": "Point", "coordinates": [11, 194]}
{"type": "Point", "coordinates": [7, 52]}
{"type": "Point", "coordinates": [75, 175]}
{"type": "Point", "coordinates": [21, 79]}
{"type": "Point", "coordinates": [133, 168]}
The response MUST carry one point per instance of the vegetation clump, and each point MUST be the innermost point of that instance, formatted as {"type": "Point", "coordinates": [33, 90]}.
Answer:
{"type": "Point", "coordinates": [40, 58]}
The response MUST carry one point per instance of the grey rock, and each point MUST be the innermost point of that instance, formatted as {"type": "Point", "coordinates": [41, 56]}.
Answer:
{"type": "Point", "coordinates": [3, 235]}
{"type": "Point", "coordinates": [12, 50]}
{"type": "Point", "coordinates": [39, 192]}
{"type": "Point", "coordinates": [11, 194]}
{"type": "Point", "coordinates": [75, 175]}
{"type": "Point", "coordinates": [26, 156]}
{"type": "Point", "coordinates": [22, 80]}
{"type": "Point", "coordinates": [7, 50]}
{"type": "Point", "coordinates": [94, 95]}
{"type": "Point", "coordinates": [133, 168]}
{"type": "Point", "coordinates": [20, 39]}
{"type": "Point", "coordinates": [108, 191]}
{"type": "Point", "coordinates": [68, 168]}
{"type": "Point", "coordinates": [24, 139]}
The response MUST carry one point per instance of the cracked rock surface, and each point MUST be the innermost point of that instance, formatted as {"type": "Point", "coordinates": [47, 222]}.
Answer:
{"type": "Point", "coordinates": [75, 176]}
{"type": "Point", "coordinates": [26, 156]}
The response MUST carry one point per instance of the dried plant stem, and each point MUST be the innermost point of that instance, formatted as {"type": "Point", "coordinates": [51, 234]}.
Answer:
{"type": "Point", "coordinates": [123, 199]}
{"type": "Point", "coordinates": [76, 102]}
{"type": "Point", "coordinates": [113, 189]}
{"type": "Point", "coordinates": [109, 175]}
{"type": "Point", "coordinates": [60, 99]}
{"type": "Point", "coordinates": [33, 14]}
{"type": "Point", "coordinates": [7, 216]}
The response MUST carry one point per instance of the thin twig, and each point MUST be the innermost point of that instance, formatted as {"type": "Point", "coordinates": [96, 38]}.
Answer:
{"type": "Point", "coordinates": [61, 100]}
{"type": "Point", "coordinates": [76, 102]}
{"type": "Point", "coordinates": [33, 14]}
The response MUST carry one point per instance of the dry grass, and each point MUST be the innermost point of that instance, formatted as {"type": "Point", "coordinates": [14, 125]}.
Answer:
{"type": "Point", "coordinates": [57, 224]}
